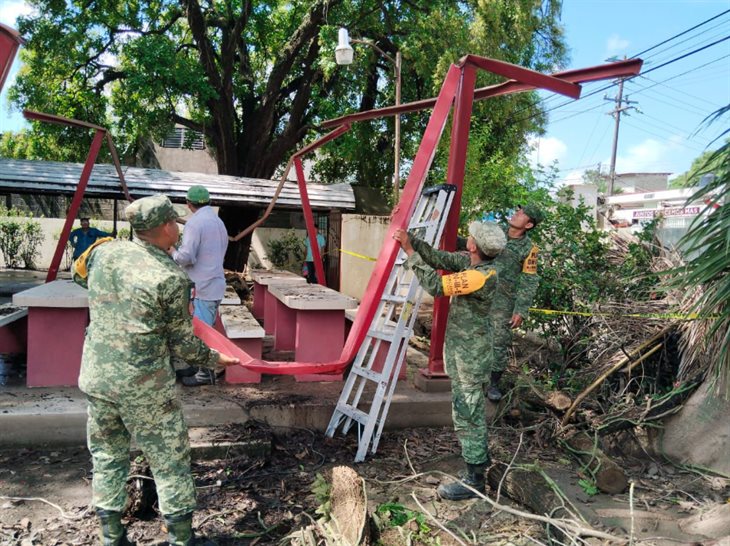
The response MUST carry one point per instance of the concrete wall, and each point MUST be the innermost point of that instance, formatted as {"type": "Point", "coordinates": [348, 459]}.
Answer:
{"type": "Point", "coordinates": [184, 160]}
{"type": "Point", "coordinates": [257, 257]}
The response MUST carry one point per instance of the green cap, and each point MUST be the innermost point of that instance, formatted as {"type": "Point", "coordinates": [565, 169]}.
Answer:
{"type": "Point", "coordinates": [534, 212]}
{"type": "Point", "coordinates": [489, 237]}
{"type": "Point", "coordinates": [198, 195]}
{"type": "Point", "coordinates": [150, 212]}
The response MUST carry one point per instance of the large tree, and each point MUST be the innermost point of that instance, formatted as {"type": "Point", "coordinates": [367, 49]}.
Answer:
{"type": "Point", "coordinates": [257, 77]}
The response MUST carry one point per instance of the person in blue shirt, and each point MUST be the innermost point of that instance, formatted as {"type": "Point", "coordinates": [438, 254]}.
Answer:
{"type": "Point", "coordinates": [309, 260]}
{"type": "Point", "coordinates": [85, 236]}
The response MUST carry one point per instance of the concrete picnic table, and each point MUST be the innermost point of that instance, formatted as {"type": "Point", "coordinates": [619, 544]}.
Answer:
{"type": "Point", "coordinates": [310, 320]}
{"type": "Point", "coordinates": [264, 305]}
{"type": "Point", "coordinates": [58, 313]}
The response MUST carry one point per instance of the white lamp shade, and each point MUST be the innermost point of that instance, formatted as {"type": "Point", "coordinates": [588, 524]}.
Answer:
{"type": "Point", "coordinates": [343, 54]}
{"type": "Point", "coordinates": [343, 51]}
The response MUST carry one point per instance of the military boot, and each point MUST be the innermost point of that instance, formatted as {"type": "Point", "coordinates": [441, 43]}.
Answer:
{"type": "Point", "coordinates": [473, 477]}
{"type": "Point", "coordinates": [112, 532]}
{"type": "Point", "coordinates": [203, 376]}
{"type": "Point", "coordinates": [493, 392]}
{"type": "Point", "coordinates": [180, 531]}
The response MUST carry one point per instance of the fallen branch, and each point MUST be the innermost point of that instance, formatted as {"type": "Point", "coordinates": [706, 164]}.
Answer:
{"type": "Point", "coordinates": [64, 515]}
{"type": "Point", "coordinates": [620, 364]}
{"type": "Point", "coordinates": [609, 477]}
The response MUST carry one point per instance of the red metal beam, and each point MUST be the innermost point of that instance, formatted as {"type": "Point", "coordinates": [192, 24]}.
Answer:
{"type": "Point", "coordinates": [10, 41]}
{"type": "Point", "coordinates": [309, 221]}
{"type": "Point", "coordinates": [75, 203]}
{"type": "Point", "coordinates": [582, 75]}
{"type": "Point", "coordinates": [524, 75]}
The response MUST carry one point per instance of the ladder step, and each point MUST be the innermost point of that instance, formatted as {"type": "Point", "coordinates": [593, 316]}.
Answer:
{"type": "Point", "coordinates": [427, 223]}
{"type": "Point", "coordinates": [395, 298]}
{"type": "Point", "coordinates": [353, 413]}
{"type": "Point", "coordinates": [376, 377]}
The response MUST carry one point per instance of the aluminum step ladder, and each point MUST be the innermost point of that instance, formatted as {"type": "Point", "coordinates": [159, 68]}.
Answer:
{"type": "Point", "coordinates": [392, 323]}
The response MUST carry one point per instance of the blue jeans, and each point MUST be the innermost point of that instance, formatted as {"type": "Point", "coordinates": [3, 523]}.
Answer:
{"type": "Point", "coordinates": [206, 310]}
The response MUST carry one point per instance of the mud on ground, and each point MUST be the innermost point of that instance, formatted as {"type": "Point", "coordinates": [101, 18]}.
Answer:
{"type": "Point", "coordinates": [260, 499]}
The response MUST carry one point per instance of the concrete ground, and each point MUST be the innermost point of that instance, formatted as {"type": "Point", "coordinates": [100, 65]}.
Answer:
{"type": "Point", "coordinates": [57, 416]}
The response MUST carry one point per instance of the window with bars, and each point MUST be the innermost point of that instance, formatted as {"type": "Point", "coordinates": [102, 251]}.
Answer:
{"type": "Point", "coordinates": [182, 137]}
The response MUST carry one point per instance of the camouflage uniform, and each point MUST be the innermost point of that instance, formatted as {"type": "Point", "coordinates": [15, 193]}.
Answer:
{"type": "Point", "coordinates": [138, 303]}
{"type": "Point", "coordinates": [518, 282]}
{"type": "Point", "coordinates": [467, 348]}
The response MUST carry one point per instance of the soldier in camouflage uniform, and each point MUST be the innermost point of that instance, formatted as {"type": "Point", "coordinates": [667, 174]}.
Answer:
{"type": "Point", "coordinates": [518, 281]}
{"type": "Point", "coordinates": [467, 347]}
{"type": "Point", "coordinates": [138, 304]}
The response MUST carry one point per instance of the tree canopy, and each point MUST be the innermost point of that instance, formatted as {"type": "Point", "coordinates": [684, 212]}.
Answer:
{"type": "Point", "coordinates": [256, 78]}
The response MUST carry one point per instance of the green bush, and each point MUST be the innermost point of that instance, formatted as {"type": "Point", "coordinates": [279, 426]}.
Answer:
{"type": "Point", "coordinates": [287, 252]}
{"type": "Point", "coordinates": [20, 240]}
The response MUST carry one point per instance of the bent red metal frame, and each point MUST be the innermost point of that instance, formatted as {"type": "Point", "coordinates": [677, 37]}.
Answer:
{"type": "Point", "coordinates": [458, 91]}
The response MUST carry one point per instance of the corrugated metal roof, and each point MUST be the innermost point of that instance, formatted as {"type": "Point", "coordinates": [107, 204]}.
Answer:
{"type": "Point", "coordinates": [50, 177]}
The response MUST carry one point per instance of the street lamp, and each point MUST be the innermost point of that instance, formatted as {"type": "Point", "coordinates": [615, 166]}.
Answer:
{"type": "Point", "coordinates": [343, 56]}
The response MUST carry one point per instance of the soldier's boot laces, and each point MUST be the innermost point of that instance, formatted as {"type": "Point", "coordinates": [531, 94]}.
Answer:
{"type": "Point", "coordinates": [493, 392]}
{"type": "Point", "coordinates": [112, 531]}
{"type": "Point", "coordinates": [473, 477]}
{"type": "Point", "coordinates": [180, 532]}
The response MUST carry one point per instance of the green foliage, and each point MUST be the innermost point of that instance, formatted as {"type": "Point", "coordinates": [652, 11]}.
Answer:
{"type": "Point", "coordinates": [321, 489]}
{"type": "Point", "coordinates": [20, 240]}
{"type": "Point", "coordinates": [287, 252]}
{"type": "Point", "coordinates": [574, 271]}
{"type": "Point", "coordinates": [588, 486]}
{"type": "Point", "coordinates": [635, 279]}
{"type": "Point", "coordinates": [257, 77]}
{"type": "Point", "coordinates": [393, 514]}
{"type": "Point", "coordinates": [708, 240]}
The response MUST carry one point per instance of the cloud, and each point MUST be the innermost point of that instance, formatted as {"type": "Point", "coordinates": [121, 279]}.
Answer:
{"type": "Point", "coordinates": [616, 45]}
{"type": "Point", "coordinates": [12, 9]}
{"type": "Point", "coordinates": [546, 150]}
{"type": "Point", "coordinates": [651, 155]}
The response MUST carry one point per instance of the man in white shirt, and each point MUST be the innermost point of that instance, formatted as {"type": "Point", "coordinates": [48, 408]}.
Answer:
{"type": "Point", "coordinates": [204, 244]}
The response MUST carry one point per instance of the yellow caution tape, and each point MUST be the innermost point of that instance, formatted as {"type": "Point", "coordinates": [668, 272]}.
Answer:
{"type": "Point", "coordinates": [665, 316]}
{"type": "Point", "coordinates": [358, 255]}
{"type": "Point", "coordinates": [672, 316]}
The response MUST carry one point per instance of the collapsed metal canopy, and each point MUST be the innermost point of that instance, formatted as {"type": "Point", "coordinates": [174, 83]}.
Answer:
{"type": "Point", "coordinates": [57, 178]}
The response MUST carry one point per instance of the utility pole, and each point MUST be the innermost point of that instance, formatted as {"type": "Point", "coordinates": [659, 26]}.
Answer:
{"type": "Point", "coordinates": [616, 113]}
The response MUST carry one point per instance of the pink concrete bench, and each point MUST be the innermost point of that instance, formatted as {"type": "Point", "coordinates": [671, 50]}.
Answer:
{"type": "Point", "coordinates": [310, 320]}
{"type": "Point", "coordinates": [244, 331]}
{"type": "Point", "coordinates": [264, 305]}
{"type": "Point", "coordinates": [13, 329]}
{"type": "Point", "coordinates": [58, 313]}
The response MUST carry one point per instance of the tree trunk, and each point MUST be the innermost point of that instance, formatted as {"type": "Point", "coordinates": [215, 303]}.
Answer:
{"type": "Point", "coordinates": [554, 400]}
{"type": "Point", "coordinates": [529, 489]}
{"type": "Point", "coordinates": [236, 219]}
{"type": "Point", "coordinates": [609, 476]}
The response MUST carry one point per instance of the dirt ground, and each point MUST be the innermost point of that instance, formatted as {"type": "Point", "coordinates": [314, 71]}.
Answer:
{"type": "Point", "coordinates": [260, 499]}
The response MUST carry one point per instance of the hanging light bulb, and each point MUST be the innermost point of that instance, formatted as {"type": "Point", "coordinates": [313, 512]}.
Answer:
{"type": "Point", "coordinates": [343, 51]}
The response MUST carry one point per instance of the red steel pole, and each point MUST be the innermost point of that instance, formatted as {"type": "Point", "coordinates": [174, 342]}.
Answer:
{"type": "Point", "coordinates": [75, 203]}
{"type": "Point", "coordinates": [309, 221]}
{"type": "Point", "coordinates": [454, 175]}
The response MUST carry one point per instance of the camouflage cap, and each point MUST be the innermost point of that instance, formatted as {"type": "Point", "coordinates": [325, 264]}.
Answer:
{"type": "Point", "coordinates": [534, 212]}
{"type": "Point", "coordinates": [150, 212]}
{"type": "Point", "coordinates": [198, 195]}
{"type": "Point", "coordinates": [488, 236]}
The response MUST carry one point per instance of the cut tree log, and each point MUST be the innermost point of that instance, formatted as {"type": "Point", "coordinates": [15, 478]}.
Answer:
{"type": "Point", "coordinates": [529, 489]}
{"type": "Point", "coordinates": [609, 476]}
{"type": "Point", "coordinates": [349, 525]}
{"type": "Point", "coordinates": [554, 400]}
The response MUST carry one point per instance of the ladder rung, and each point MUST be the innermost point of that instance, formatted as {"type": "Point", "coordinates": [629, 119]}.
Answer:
{"type": "Point", "coordinates": [396, 298]}
{"type": "Point", "coordinates": [427, 223]}
{"type": "Point", "coordinates": [376, 377]}
{"type": "Point", "coordinates": [353, 413]}
{"type": "Point", "coordinates": [382, 334]}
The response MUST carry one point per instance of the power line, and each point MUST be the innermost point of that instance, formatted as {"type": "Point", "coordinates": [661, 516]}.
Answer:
{"type": "Point", "coordinates": [681, 33]}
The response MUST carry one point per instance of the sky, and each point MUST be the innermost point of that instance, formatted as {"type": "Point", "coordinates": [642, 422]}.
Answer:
{"type": "Point", "coordinates": [661, 132]}
{"type": "Point", "coordinates": [663, 129]}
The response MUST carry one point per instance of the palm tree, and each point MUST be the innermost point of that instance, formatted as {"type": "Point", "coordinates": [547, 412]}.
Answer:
{"type": "Point", "coordinates": [707, 269]}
